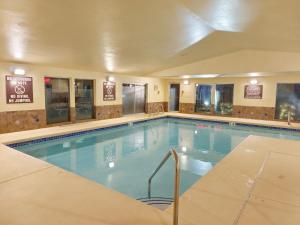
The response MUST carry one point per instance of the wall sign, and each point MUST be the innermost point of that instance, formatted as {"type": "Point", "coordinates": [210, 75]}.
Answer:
{"type": "Point", "coordinates": [109, 91]}
{"type": "Point", "coordinates": [253, 91]}
{"type": "Point", "coordinates": [18, 89]}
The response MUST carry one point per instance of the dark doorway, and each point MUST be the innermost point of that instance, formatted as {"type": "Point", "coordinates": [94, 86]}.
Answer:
{"type": "Point", "coordinates": [174, 97]}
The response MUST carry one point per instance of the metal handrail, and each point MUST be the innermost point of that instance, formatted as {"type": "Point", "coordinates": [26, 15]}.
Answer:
{"type": "Point", "coordinates": [176, 183]}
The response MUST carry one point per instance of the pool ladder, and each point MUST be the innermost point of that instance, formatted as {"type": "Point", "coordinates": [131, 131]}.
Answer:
{"type": "Point", "coordinates": [176, 183]}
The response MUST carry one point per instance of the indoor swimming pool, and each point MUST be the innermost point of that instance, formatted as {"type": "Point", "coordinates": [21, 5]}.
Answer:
{"type": "Point", "coordinates": [123, 157]}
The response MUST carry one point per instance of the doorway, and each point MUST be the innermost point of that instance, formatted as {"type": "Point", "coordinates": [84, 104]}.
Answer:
{"type": "Point", "coordinates": [174, 97]}
{"type": "Point", "coordinates": [134, 98]}
{"type": "Point", "coordinates": [57, 95]}
{"type": "Point", "coordinates": [84, 99]}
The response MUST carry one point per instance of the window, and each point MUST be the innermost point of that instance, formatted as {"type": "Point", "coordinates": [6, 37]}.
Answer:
{"type": "Point", "coordinates": [287, 99]}
{"type": "Point", "coordinates": [224, 99]}
{"type": "Point", "coordinates": [203, 98]}
{"type": "Point", "coordinates": [57, 99]}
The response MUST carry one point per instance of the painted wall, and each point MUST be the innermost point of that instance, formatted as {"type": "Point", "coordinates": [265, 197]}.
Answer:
{"type": "Point", "coordinates": [243, 61]}
{"type": "Point", "coordinates": [188, 92]}
{"type": "Point", "coordinates": [38, 74]}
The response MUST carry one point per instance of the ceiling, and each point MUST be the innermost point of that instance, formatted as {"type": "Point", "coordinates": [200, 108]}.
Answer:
{"type": "Point", "coordinates": [140, 37]}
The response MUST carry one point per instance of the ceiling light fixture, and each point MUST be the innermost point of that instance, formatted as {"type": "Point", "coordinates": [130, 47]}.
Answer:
{"type": "Point", "coordinates": [110, 78]}
{"type": "Point", "coordinates": [186, 82]}
{"type": "Point", "coordinates": [253, 82]}
{"type": "Point", "coordinates": [185, 76]}
{"type": "Point", "coordinates": [19, 72]}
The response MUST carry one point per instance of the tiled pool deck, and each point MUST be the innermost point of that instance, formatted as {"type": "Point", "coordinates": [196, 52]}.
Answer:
{"type": "Point", "coordinates": [258, 183]}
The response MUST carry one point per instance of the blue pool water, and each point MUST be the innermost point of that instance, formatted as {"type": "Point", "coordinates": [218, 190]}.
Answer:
{"type": "Point", "coordinates": [123, 158]}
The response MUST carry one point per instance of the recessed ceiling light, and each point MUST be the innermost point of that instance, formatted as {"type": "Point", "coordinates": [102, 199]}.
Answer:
{"type": "Point", "coordinates": [185, 76]}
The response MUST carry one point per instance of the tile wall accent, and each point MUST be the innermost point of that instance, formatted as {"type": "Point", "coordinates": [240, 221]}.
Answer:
{"type": "Point", "coordinates": [22, 120]}
{"type": "Point", "coordinates": [108, 112]}
{"type": "Point", "coordinates": [254, 112]}
{"type": "Point", "coordinates": [187, 108]}
{"type": "Point", "coordinates": [248, 112]}
{"type": "Point", "coordinates": [154, 107]}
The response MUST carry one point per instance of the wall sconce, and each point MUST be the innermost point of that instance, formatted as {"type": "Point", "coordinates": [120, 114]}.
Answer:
{"type": "Point", "coordinates": [186, 82]}
{"type": "Point", "coordinates": [19, 72]}
{"type": "Point", "coordinates": [156, 89]}
{"type": "Point", "coordinates": [253, 82]}
{"type": "Point", "coordinates": [110, 78]}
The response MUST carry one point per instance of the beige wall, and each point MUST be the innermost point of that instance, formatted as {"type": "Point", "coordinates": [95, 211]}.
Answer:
{"type": "Point", "coordinates": [38, 74]}
{"type": "Point", "coordinates": [188, 92]}
{"type": "Point", "coordinates": [243, 61]}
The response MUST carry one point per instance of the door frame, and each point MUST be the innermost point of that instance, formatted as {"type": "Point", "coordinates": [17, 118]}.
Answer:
{"type": "Point", "coordinates": [93, 101]}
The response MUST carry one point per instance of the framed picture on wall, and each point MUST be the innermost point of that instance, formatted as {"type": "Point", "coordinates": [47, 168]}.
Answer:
{"type": "Point", "coordinates": [253, 91]}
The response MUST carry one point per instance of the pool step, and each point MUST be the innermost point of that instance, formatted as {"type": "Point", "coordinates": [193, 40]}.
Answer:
{"type": "Point", "coordinates": [158, 202]}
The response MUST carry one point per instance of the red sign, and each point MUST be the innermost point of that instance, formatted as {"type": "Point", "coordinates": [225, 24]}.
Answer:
{"type": "Point", "coordinates": [18, 89]}
{"type": "Point", "coordinates": [109, 91]}
{"type": "Point", "coordinates": [253, 91]}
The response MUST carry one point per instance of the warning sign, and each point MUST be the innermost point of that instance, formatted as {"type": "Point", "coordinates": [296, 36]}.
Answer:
{"type": "Point", "coordinates": [18, 89]}
{"type": "Point", "coordinates": [109, 91]}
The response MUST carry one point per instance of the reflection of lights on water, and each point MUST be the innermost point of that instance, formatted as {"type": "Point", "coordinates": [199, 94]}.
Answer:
{"type": "Point", "coordinates": [184, 148]}
{"type": "Point", "coordinates": [183, 158]}
{"type": "Point", "coordinates": [111, 164]}
{"type": "Point", "coordinates": [204, 152]}
{"type": "Point", "coordinates": [79, 141]}
{"type": "Point", "coordinates": [66, 145]}
{"type": "Point", "coordinates": [196, 132]}
{"type": "Point", "coordinates": [194, 166]}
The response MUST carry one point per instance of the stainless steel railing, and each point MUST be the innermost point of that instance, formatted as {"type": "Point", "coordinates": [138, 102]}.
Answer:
{"type": "Point", "coordinates": [176, 183]}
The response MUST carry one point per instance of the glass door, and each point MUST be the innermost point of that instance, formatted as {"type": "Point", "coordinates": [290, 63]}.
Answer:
{"type": "Point", "coordinates": [134, 98]}
{"type": "Point", "coordinates": [84, 99]}
{"type": "Point", "coordinates": [224, 99]}
{"type": "Point", "coordinates": [57, 96]}
{"type": "Point", "coordinates": [203, 98]}
{"type": "Point", "coordinates": [174, 97]}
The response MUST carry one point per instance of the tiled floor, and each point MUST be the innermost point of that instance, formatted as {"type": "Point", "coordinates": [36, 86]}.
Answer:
{"type": "Point", "coordinates": [258, 183]}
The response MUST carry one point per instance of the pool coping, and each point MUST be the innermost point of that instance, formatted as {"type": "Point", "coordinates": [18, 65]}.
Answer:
{"type": "Point", "coordinates": [194, 196]}
{"type": "Point", "coordinates": [23, 139]}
